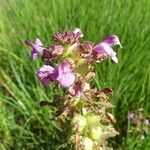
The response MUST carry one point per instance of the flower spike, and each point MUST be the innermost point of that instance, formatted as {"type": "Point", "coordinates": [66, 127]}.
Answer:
{"type": "Point", "coordinates": [82, 109]}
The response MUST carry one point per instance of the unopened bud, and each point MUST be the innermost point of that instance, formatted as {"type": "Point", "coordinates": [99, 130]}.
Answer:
{"type": "Point", "coordinates": [79, 122]}
{"type": "Point", "coordinates": [92, 119]}
{"type": "Point", "coordinates": [95, 133]}
{"type": "Point", "coordinates": [88, 143]}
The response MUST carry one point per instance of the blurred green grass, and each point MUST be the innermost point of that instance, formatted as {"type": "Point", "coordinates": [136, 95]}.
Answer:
{"type": "Point", "coordinates": [24, 125]}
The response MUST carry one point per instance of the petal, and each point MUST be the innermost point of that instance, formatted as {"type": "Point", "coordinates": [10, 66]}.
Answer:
{"type": "Point", "coordinates": [36, 47]}
{"type": "Point", "coordinates": [38, 42]}
{"type": "Point", "coordinates": [44, 74]}
{"type": "Point", "coordinates": [112, 40]}
{"type": "Point", "coordinates": [65, 75]}
{"type": "Point", "coordinates": [46, 68]}
{"type": "Point", "coordinates": [45, 81]}
{"type": "Point", "coordinates": [100, 48]}
{"type": "Point", "coordinates": [104, 48]}
{"type": "Point", "coordinates": [108, 50]}
{"type": "Point", "coordinates": [115, 59]}
{"type": "Point", "coordinates": [54, 75]}
{"type": "Point", "coordinates": [78, 31]}
{"type": "Point", "coordinates": [67, 79]}
{"type": "Point", "coordinates": [34, 54]}
{"type": "Point", "coordinates": [64, 67]}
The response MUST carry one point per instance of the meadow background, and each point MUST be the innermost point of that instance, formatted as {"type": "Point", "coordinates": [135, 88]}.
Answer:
{"type": "Point", "coordinates": [24, 125]}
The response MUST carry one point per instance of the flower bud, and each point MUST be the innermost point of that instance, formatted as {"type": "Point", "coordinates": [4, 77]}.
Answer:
{"type": "Point", "coordinates": [95, 133]}
{"type": "Point", "coordinates": [78, 103]}
{"type": "Point", "coordinates": [86, 86]}
{"type": "Point", "coordinates": [92, 119]}
{"type": "Point", "coordinates": [79, 122]}
{"type": "Point", "coordinates": [88, 143]}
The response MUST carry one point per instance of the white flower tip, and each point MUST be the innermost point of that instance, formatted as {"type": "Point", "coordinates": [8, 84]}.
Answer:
{"type": "Point", "coordinates": [112, 40]}
{"type": "Point", "coordinates": [120, 45]}
{"type": "Point", "coordinates": [77, 30]}
{"type": "Point", "coordinates": [38, 42]}
{"type": "Point", "coordinates": [118, 41]}
{"type": "Point", "coordinates": [115, 59]}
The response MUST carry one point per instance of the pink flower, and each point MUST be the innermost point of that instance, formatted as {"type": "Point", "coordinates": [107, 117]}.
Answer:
{"type": "Point", "coordinates": [105, 49]}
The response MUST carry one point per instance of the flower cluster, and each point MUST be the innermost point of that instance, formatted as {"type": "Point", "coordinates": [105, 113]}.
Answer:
{"type": "Point", "coordinates": [85, 107]}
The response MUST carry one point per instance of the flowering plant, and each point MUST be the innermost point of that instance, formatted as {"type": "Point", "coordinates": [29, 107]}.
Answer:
{"type": "Point", "coordinates": [85, 108]}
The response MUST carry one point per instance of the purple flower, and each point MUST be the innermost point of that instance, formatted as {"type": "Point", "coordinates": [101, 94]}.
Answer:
{"type": "Point", "coordinates": [104, 47]}
{"type": "Point", "coordinates": [65, 75]}
{"type": "Point", "coordinates": [36, 48]}
{"type": "Point", "coordinates": [47, 74]}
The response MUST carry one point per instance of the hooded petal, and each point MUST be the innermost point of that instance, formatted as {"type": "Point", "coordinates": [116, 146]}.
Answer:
{"type": "Point", "coordinates": [65, 75]}
{"type": "Point", "coordinates": [100, 48]}
{"type": "Point", "coordinates": [104, 48]}
{"type": "Point", "coordinates": [46, 74]}
{"type": "Point", "coordinates": [77, 31]}
{"type": "Point", "coordinates": [36, 48]}
{"type": "Point", "coordinates": [112, 40]}
{"type": "Point", "coordinates": [38, 42]}
{"type": "Point", "coordinates": [115, 59]}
